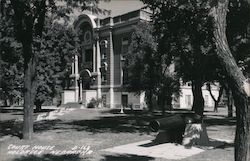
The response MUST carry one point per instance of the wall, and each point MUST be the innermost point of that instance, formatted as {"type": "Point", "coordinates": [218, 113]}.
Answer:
{"type": "Point", "coordinates": [186, 90]}
{"type": "Point", "coordinates": [87, 96]}
{"type": "Point", "coordinates": [68, 96]}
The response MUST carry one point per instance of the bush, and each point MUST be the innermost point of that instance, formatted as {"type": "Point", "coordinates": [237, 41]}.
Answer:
{"type": "Point", "coordinates": [94, 103]}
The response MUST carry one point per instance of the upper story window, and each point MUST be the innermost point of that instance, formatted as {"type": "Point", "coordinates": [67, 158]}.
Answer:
{"type": "Point", "coordinates": [104, 56]}
{"type": "Point", "coordinates": [104, 50]}
{"type": "Point", "coordinates": [124, 76]}
{"type": "Point", "coordinates": [125, 45]}
{"type": "Point", "coordinates": [188, 100]}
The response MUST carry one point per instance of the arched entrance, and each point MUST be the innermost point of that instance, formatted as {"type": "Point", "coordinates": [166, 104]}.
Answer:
{"type": "Point", "coordinates": [89, 56]}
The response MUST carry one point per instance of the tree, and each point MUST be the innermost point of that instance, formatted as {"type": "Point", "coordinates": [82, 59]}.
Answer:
{"type": "Point", "coordinates": [216, 101]}
{"type": "Point", "coordinates": [11, 76]}
{"type": "Point", "coordinates": [55, 55]}
{"type": "Point", "coordinates": [149, 70]}
{"type": "Point", "coordinates": [185, 35]}
{"type": "Point", "coordinates": [11, 83]}
{"type": "Point", "coordinates": [54, 52]}
{"type": "Point", "coordinates": [141, 62]}
{"type": "Point", "coordinates": [236, 79]}
{"type": "Point", "coordinates": [28, 18]}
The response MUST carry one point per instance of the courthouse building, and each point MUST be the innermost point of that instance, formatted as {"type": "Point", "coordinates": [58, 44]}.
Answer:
{"type": "Point", "coordinates": [98, 72]}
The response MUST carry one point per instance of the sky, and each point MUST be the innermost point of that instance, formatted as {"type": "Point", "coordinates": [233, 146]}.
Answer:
{"type": "Point", "coordinates": [119, 7]}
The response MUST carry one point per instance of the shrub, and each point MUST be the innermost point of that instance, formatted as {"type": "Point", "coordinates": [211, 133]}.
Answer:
{"type": "Point", "coordinates": [94, 103]}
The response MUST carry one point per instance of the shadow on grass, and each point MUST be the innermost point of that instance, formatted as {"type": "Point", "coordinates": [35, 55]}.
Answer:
{"type": "Point", "coordinates": [126, 157]}
{"type": "Point", "coordinates": [12, 124]}
{"type": "Point", "coordinates": [11, 127]}
{"type": "Point", "coordinates": [113, 124]}
{"type": "Point", "coordinates": [20, 111]}
{"type": "Point", "coordinates": [129, 123]}
{"type": "Point", "coordinates": [220, 121]}
{"type": "Point", "coordinates": [11, 110]}
{"type": "Point", "coordinates": [135, 122]}
{"type": "Point", "coordinates": [226, 145]}
{"type": "Point", "coordinates": [49, 157]}
{"type": "Point", "coordinates": [126, 111]}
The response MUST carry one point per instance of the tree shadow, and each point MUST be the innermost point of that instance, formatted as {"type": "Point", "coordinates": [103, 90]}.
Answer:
{"type": "Point", "coordinates": [49, 157]}
{"type": "Point", "coordinates": [113, 124]}
{"type": "Point", "coordinates": [43, 110]}
{"type": "Point", "coordinates": [126, 111]}
{"type": "Point", "coordinates": [12, 124]}
{"type": "Point", "coordinates": [11, 127]}
{"type": "Point", "coordinates": [125, 123]}
{"type": "Point", "coordinates": [226, 145]}
{"type": "Point", "coordinates": [220, 121]}
{"type": "Point", "coordinates": [128, 123]}
{"type": "Point", "coordinates": [10, 110]}
{"type": "Point", "coordinates": [126, 157]}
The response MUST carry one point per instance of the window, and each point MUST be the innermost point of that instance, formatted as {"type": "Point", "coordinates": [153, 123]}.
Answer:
{"type": "Point", "coordinates": [188, 100]}
{"type": "Point", "coordinates": [103, 70]}
{"type": "Point", "coordinates": [89, 55]}
{"type": "Point", "coordinates": [124, 100]}
{"type": "Point", "coordinates": [104, 56]}
{"type": "Point", "coordinates": [125, 46]}
{"type": "Point", "coordinates": [124, 51]}
{"type": "Point", "coordinates": [104, 100]}
{"type": "Point", "coordinates": [124, 76]}
{"type": "Point", "coordinates": [104, 78]}
{"type": "Point", "coordinates": [206, 100]}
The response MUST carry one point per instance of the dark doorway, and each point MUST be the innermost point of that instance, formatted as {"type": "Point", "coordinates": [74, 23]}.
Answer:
{"type": "Point", "coordinates": [124, 100]}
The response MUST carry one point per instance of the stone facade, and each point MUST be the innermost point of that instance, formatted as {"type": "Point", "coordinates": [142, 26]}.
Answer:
{"type": "Point", "coordinates": [98, 70]}
{"type": "Point", "coordinates": [100, 64]}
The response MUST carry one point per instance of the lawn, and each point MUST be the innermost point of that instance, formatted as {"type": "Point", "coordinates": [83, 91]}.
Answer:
{"type": "Point", "coordinates": [100, 129]}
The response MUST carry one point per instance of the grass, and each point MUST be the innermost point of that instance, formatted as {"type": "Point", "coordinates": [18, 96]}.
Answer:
{"type": "Point", "coordinates": [101, 129]}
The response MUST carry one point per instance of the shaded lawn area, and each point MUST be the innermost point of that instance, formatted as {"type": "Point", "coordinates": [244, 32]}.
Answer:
{"type": "Point", "coordinates": [108, 124]}
{"type": "Point", "coordinates": [49, 157]}
{"type": "Point", "coordinates": [224, 121]}
{"type": "Point", "coordinates": [11, 121]}
{"type": "Point", "coordinates": [103, 129]}
{"type": "Point", "coordinates": [116, 157]}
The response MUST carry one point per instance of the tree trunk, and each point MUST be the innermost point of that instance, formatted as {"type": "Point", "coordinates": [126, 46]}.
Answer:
{"type": "Point", "coordinates": [230, 103]}
{"type": "Point", "coordinates": [236, 81]}
{"type": "Point", "coordinates": [161, 102]}
{"type": "Point", "coordinates": [169, 103]}
{"type": "Point", "coordinates": [29, 78]}
{"type": "Point", "coordinates": [38, 105]}
{"type": "Point", "coordinates": [149, 96]}
{"type": "Point", "coordinates": [198, 102]}
{"type": "Point", "coordinates": [216, 103]}
{"type": "Point", "coordinates": [5, 102]}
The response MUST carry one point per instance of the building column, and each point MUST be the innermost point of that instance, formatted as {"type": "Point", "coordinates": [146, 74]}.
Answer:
{"type": "Point", "coordinates": [80, 90]}
{"type": "Point", "coordinates": [76, 77]}
{"type": "Point", "coordinates": [98, 66]}
{"type": "Point", "coordinates": [111, 64]}
{"type": "Point", "coordinates": [94, 57]}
